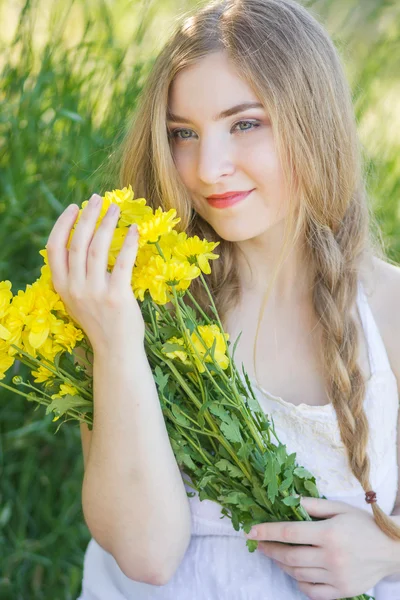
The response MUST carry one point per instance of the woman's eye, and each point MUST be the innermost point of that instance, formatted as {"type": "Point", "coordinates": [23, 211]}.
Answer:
{"type": "Point", "coordinates": [175, 133]}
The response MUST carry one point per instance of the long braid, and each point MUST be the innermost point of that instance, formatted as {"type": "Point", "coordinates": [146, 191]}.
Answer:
{"type": "Point", "coordinates": [335, 257]}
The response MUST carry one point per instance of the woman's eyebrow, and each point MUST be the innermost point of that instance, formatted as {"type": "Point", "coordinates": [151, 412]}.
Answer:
{"type": "Point", "coordinates": [225, 113]}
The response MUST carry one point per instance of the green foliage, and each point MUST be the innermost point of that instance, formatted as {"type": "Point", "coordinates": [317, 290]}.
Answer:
{"type": "Point", "coordinates": [64, 108]}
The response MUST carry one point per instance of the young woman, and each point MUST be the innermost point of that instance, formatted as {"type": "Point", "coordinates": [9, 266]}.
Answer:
{"type": "Point", "coordinates": [247, 96]}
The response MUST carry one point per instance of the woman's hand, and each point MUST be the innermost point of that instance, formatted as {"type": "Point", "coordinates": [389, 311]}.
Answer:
{"type": "Point", "coordinates": [342, 556]}
{"type": "Point", "coordinates": [102, 303]}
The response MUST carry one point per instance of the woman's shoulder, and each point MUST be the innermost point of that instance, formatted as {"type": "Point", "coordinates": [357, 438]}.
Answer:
{"type": "Point", "coordinates": [381, 282]}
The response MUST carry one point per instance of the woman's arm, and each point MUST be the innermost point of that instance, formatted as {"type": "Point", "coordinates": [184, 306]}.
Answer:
{"type": "Point", "coordinates": [133, 496]}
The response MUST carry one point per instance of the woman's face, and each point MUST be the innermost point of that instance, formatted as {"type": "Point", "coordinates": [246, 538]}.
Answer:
{"type": "Point", "coordinates": [232, 153]}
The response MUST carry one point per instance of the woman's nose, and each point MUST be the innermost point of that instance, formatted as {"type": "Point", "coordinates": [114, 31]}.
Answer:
{"type": "Point", "coordinates": [214, 161]}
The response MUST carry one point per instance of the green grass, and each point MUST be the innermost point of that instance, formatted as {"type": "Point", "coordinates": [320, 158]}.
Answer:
{"type": "Point", "coordinates": [66, 96]}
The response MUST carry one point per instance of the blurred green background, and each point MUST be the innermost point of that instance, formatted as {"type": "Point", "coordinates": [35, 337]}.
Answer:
{"type": "Point", "coordinates": [70, 75]}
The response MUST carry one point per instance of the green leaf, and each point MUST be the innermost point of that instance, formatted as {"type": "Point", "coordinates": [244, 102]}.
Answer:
{"type": "Point", "coordinates": [206, 479]}
{"type": "Point", "coordinates": [177, 412]}
{"type": "Point", "coordinates": [244, 451]}
{"type": "Point", "coordinates": [254, 405]}
{"type": "Point", "coordinates": [231, 431]}
{"type": "Point", "coordinates": [203, 408]}
{"type": "Point", "coordinates": [286, 483]}
{"type": "Point", "coordinates": [225, 465]}
{"type": "Point", "coordinates": [291, 501]}
{"type": "Point", "coordinates": [61, 405]}
{"type": "Point", "coordinates": [236, 498]}
{"type": "Point", "coordinates": [302, 473]}
{"type": "Point", "coordinates": [211, 351]}
{"type": "Point", "coordinates": [218, 410]}
{"type": "Point", "coordinates": [271, 477]}
{"type": "Point", "coordinates": [190, 325]}
{"type": "Point", "coordinates": [187, 460]}
{"type": "Point", "coordinates": [312, 488]}
{"type": "Point", "coordinates": [252, 545]}
{"type": "Point", "coordinates": [281, 454]}
{"type": "Point", "coordinates": [291, 459]}
{"type": "Point", "coordinates": [160, 378]}
{"type": "Point", "coordinates": [234, 346]}
{"type": "Point", "coordinates": [169, 347]}
{"type": "Point", "coordinates": [168, 331]}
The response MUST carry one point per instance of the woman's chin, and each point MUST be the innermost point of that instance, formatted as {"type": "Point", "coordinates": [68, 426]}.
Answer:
{"type": "Point", "coordinates": [234, 234]}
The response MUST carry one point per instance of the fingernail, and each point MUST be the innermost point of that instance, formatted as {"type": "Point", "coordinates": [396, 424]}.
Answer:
{"type": "Point", "coordinates": [133, 230]}
{"type": "Point", "coordinates": [95, 200]}
{"type": "Point", "coordinates": [252, 533]}
{"type": "Point", "coordinates": [113, 209]}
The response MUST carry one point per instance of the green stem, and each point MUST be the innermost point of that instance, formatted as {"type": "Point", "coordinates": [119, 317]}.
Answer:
{"type": "Point", "coordinates": [215, 311]}
{"type": "Point", "coordinates": [201, 311]}
{"type": "Point", "coordinates": [29, 359]}
{"type": "Point", "coordinates": [72, 412]}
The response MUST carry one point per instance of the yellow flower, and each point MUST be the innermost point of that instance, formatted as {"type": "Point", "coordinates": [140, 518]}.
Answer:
{"type": "Point", "coordinates": [132, 211]}
{"type": "Point", "coordinates": [196, 251]}
{"type": "Point", "coordinates": [45, 272]}
{"type": "Point", "coordinates": [6, 361]}
{"type": "Point", "coordinates": [207, 333]}
{"type": "Point", "coordinates": [42, 374]}
{"type": "Point", "coordinates": [5, 297]}
{"type": "Point", "coordinates": [6, 357]}
{"type": "Point", "coordinates": [66, 388]}
{"type": "Point", "coordinates": [143, 256]}
{"type": "Point", "coordinates": [40, 320]}
{"type": "Point", "coordinates": [152, 227]}
{"type": "Point", "coordinates": [159, 276]}
{"type": "Point", "coordinates": [66, 335]}
{"type": "Point", "coordinates": [116, 244]}
{"type": "Point", "coordinates": [5, 334]}
{"type": "Point", "coordinates": [181, 354]}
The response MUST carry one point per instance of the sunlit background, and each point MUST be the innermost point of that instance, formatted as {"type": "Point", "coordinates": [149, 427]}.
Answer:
{"type": "Point", "coordinates": [70, 75]}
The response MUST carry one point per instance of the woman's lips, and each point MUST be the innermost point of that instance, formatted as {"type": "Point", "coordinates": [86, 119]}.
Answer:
{"type": "Point", "coordinates": [228, 200]}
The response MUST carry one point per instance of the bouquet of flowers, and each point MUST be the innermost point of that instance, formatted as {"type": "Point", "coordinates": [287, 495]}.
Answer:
{"type": "Point", "coordinates": [219, 434]}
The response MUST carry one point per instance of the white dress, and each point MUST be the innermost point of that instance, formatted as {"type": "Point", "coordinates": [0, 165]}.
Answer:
{"type": "Point", "coordinates": [217, 564]}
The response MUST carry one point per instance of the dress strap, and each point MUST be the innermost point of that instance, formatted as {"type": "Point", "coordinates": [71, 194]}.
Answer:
{"type": "Point", "coordinates": [378, 358]}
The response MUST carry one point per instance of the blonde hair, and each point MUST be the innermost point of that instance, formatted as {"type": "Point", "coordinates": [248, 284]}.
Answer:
{"type": "Point", "coordinates": [302, 86]}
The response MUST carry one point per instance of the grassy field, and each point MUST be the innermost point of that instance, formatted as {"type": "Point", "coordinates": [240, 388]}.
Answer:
{"type": "Point", "coordinates": [70, 76]}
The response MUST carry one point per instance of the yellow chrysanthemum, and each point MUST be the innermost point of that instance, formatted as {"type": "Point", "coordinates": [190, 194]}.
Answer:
{"type": "Point", "coordinates": [66, 335]}
{"type": "Point", "coordinates": [66, 388]}
{"type": "Point", "coordinates": [181, 354]}
{"type": "Point", "coordinates": [5, 297]}
{"type": "Point", "coordinates": [6, 360]}
{"type": "Point", "coordinates": [132, 210]}
{"type": "Point", "coordinates": [159, 276]}
{"type": "Point", "coordinates": [207, 334]}
{"type": "Point", "coordinates": [5, 334]}
{"type": "Point", "coordinates": [45, 272]}
{"type": "Point", "coordinates": [42, 374]}
{"type": "Point", "coordinates": [196, 251]}
{"type": "Point", "coordinates": [160, 223]}
{"type": "Point", "coordinates": [32, 319]}
{"type": "Point", "coordinates": [41, 319]}
{"type": "Point", "coordinates": [144, 254]}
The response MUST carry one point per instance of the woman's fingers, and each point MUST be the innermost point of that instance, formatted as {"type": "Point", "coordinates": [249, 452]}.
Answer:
{"type": "Point", "coordinates": [97, 259]}
{"type": "Point", "coordinates": [305, 574]}
{"type": "Point", "coordinates": [80, 242]}
{"type": "Point", "coordinates": [122, 272]}
{"type": "Point", "coordinates": [87, 259]}
{"type": "Point", "coordinates": [56, 246]}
